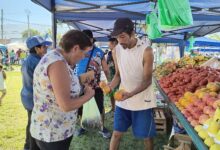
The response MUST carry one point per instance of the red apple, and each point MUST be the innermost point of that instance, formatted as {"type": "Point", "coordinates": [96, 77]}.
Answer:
{"type": "Point", "coordinates": [190, 107]}
{"type": "Point", "coordinates": [201, 105]}
{"type": "Point", "coordinates": [210, 101]}
{"type": "Point", "coordinates": [197, 114]}
{"type": "Point", "coordinates": [206, 96]}
{"type": "Point", "coordinates": [188, 115]}
{"type": "Point", "coordinates": [190, 118]}
{"type": "Point", "coordinates": [192, 110]}
{"type": "Point", "coordinates": [184, 111]}
{"type": "Point", "coordinates": [197, 102]}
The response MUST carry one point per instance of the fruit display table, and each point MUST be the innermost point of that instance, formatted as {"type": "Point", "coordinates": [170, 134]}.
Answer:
{"type": "Point", "coordinates": [198, 142]}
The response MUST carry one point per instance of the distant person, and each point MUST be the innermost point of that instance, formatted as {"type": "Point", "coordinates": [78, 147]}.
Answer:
{"type": "Point", "coordinates": [37, 47]}
{"type": "Point", "coordinates": [111, 44]}
{"type": "Point", "coordinates": [7, 60]}
{"type": "Point", "coordinates": [2, 83]}
{"type": "Point", "coordinates": [22, 56]}
{"type": "Point", "coordinates": [17, 56]}
{"type": "Point", "coordinates": [16, 59]}
{"type": "Point", "coordinates": [12, 57]}
{"type": "Point", "coordinates": [19, 53]}
{"type": "Point", "coordinates": [1, 57]}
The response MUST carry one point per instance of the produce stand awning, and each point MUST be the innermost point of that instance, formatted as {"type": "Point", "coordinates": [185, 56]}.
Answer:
{"type": "Point", "coordinates": [203, 41]}
{"type": "Point", "coordinates": [99, 15]}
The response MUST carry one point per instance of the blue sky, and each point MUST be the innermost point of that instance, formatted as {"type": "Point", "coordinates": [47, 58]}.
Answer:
{"type": "Point", "coordinates": [15, 9]}
{"type": "Point", "coordinates": [15, 18]}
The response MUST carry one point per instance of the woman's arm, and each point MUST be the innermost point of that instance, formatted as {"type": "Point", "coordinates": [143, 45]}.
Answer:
{"type": "Point", "coordinates": [59, 76]}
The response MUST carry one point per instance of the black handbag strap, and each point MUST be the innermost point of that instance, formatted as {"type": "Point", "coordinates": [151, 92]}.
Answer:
{"type": "Point", "coordinates": [90, 58]}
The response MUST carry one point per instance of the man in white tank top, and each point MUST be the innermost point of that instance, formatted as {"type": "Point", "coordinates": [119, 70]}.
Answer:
{"type": "Point", "coordinates": [134, 64]}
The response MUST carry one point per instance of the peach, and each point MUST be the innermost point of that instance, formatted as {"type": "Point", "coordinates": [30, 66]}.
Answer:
{"type": "Point", "coordinates": [194, 123]}
{"type": "Point", "coordinates": [207, 109]}
{"type": "Point", "coordinates": [211, 113]}
{"type": "Point", "coordinates": [203, 118]}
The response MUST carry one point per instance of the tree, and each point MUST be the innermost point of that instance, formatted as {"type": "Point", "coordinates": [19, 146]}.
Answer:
{"type": "Point", "coordinates": [32, 33]}
{"type": "Point", "coordinates": [49, 32]}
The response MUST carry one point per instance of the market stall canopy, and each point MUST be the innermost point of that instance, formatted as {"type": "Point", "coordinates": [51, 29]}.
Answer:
{"type": "Point", "coordinates": [3, 48]}
{"type": "Point", "coordinates": [209, 49]}
{"type": "Point", "coordinates": [205, 42]}
{"type": "Point", "coordinates": [99, 15]}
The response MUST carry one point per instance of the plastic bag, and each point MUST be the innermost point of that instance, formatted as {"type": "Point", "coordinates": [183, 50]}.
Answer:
{"type": "Point", "coordinates": [91, 117]}
{"type": "Point", "coordinates": [174, 13]}
{"type": "Point", "coordinates": [153, 29]}
{"type": "Point", "coordinates": [191, 42]}
{"type": "Point", "coordinates": [213, 63]}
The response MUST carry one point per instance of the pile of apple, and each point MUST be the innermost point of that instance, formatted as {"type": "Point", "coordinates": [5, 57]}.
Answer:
{"type": "Point", "coordinates": [209, 131]}
{"type": "Point", "coordinates": [202, 110]}
{"type": "Point", "coordinates": [200, 106]}
{"type": "Point", "coordinates": [188, 79]}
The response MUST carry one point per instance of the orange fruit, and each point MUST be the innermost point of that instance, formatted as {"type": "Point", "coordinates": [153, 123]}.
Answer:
{"type": "Point", "coordinates": [106, 89]}
{"type": "Point", "coordinates": [102, 84]}
{"type": "Point", "coordinates": [118, 95]}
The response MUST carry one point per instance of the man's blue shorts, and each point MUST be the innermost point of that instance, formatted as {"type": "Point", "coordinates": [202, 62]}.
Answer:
{"type": "Point", "coordinates": [142, 122]}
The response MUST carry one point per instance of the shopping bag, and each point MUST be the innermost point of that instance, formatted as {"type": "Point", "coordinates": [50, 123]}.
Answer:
{"type": "Point", "coordinates": [91, 117]}
{"type": "Point", "coordinates": [174, 13]}
{"type": "Point", "coordinates": [153, 29]}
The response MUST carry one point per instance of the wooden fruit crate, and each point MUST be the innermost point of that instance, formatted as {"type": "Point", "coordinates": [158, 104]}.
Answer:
{"type": "Point", "coordinates": [160, 120]}
{"type": "Point", "coordinates": [181, 142]}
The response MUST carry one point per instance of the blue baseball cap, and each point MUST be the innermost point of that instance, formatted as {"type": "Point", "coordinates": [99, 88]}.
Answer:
{"type": "Point", "coordinates": [37, 40]}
